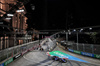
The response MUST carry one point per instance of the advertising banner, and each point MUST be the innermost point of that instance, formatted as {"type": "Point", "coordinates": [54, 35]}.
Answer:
{"type": "Point", "coordinates": [8, 61]}
{"type": "Point", "coordinates": [71, 50]}
{"type": "Point", "coordinates": [33, 48]}
{"type": "Point", "coordinates": [30, 49]}
{"type": "Point", "coordinates": [87, 54]}
{"type": "Point", "coordinates": [2, 64]}
{"type": "Point", "coordinates": [96, 56]}
{"type": "Point", "coordinates": [24, 52]}
{"type": "Point", "coordinates": [78, 52]}
{"type": "Point", "coordinates": [23, 48]}
{"type": "Point", "coordinates": [17, 56]}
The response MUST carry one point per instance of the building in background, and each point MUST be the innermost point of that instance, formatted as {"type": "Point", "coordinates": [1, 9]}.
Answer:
{"type": "Point", "coordinates": [13, 27]}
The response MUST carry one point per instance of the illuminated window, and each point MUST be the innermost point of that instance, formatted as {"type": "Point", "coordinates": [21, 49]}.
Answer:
{"type": "Point", "coordinates": [0, 6]}
{"type": "Point", "coordinates": [0, 0]}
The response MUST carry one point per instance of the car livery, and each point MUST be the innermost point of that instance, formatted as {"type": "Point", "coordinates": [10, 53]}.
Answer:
{"type": "Point", "coordinates": [58, 55]}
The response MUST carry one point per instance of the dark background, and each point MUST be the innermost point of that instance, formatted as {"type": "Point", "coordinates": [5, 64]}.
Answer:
{"type": "Point", "coordinates": [62, 14]}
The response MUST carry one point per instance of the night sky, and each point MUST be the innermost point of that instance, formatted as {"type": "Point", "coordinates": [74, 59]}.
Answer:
{"type": "Point", "coordinates": [62, 14]}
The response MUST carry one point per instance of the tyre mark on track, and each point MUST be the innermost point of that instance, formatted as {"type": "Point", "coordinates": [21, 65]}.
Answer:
{"type": "Point", "coordinates": [76, 63]}
{"type": "Point", "coordinates": [70, 63]}
{"type": "Point", "coordinates": [59, 64]}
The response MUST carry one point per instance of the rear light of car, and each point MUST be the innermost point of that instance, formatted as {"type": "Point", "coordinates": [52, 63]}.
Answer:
{"type": "Point", "coordinates": [65, 58]}
{"type": "Point", "coordinates": [48, 54]}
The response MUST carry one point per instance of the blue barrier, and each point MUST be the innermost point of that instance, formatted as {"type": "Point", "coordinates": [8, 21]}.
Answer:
{"type": "Point", "coordinates": [2, 64]}
{"type": "Point", "coordinates": [87, 54]}
{"type": "Point", "coordinates": [71, 50]}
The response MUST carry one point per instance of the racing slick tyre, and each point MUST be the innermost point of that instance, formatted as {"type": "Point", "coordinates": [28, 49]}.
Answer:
{"type": "Point", "coordinates": [62, 60]}
{"type": "Point", "coordinates": [55, 58]}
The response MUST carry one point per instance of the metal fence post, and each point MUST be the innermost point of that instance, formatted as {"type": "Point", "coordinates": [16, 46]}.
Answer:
{"type": "Point", "coordinates": [13, 53]}
{"type": "Point", "coordinates": [66, 36]}
{"type": "Point", "coordinates": [58, 36]}
{"type": "Point", "coordinates": [17, 50]}
{"type": "Point", "coordinates": [83, 48]}
{"type": "Point", "coordinates": [77, 41]}
{"type": "Point", "coordinates": [0, 56]}
{"type": "Point", "coordinates": [7, 53]}
{"type": "Point", "coordinates": [92, 48]}
{"type": "Point", "coordinates": [72, 47]}
{"type": "Point", "coordinates": [15, 39]}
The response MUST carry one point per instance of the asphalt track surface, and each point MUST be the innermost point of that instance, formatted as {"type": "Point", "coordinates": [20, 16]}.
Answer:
{"type": "Point", "coordinates": [39, 58]}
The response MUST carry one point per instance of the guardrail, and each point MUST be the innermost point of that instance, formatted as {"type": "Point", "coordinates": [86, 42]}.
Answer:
{"type": "Point", "coordinates": [90, 48]}
{"type": "Point", "coordinates": [10, 54]}
{"type": "Point", "coordinates": [85, 53]}
{"type": "Point", "coordinates": [84, 49]}
{"type": "Point", "coordinates": [80, 52]}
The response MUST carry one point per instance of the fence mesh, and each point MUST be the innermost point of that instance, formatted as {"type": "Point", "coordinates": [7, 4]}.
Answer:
{"type": "Point", "coordinates": [10, 52]}
{"type": "Point", "coordinates": [90, 48]}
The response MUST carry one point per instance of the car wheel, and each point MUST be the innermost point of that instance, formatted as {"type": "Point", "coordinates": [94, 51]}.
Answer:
{"type": "Point", "coordinates": [63, 60]}
{"type": "Point", "coordinates": [53, 58]}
